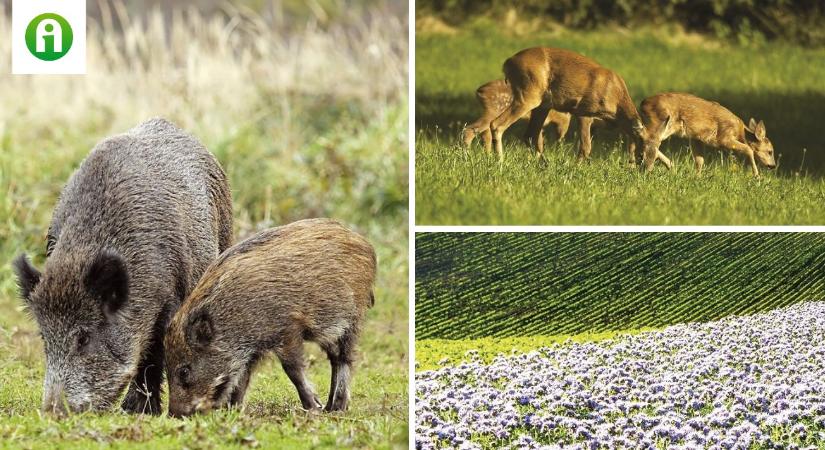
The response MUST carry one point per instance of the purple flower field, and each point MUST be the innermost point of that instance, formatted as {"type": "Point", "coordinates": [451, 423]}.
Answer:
{"type": "Point", "coordinates": [739, 383]}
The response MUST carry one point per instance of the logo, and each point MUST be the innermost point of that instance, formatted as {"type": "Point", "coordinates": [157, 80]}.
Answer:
{"type": "Point", "coordinates": [49, 37]}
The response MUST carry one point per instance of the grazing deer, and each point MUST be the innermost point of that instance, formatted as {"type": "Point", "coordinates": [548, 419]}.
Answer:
{"type": "Point", "coordinates": [709, 122]}
{"type": "Point", "coordinates": [494, 97]}
{"type": "Point", "coordinates": [544, 78]}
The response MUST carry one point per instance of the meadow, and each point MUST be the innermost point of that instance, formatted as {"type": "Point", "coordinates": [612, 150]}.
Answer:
{"type": "Point", "coordinates": [296, 140]}
{"type": "Point", "coordinates": [749, 382]}
{"type": "Point", "coordinates": [776, 82]}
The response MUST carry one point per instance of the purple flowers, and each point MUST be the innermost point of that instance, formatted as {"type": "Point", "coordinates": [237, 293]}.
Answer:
{"type": "Point", "coordinates": [741, 382]}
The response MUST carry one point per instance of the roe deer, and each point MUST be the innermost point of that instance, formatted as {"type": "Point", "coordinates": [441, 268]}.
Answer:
{"type": "Point", "coordinates": [544, 78]}
{"type": "Point", "coordinates": [708, 122]}
{"type": "Point", "coordinates": [494, 97]}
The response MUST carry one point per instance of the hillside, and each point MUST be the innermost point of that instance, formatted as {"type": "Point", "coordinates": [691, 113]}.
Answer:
{"type": "Point", "coordinates": [471, 285]}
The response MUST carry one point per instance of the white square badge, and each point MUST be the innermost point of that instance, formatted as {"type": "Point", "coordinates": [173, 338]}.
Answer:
{"type": "Point", "coordinates": [48, 37]}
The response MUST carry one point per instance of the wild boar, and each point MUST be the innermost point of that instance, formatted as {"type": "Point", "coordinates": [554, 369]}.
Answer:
{"type": "Point", "coordinates": [134, 228]}
{"type": "Point", "coordinates": [311, 280]}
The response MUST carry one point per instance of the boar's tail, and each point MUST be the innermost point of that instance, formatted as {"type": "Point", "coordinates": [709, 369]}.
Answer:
{"type": "Point", "coordinates": [372, 299]}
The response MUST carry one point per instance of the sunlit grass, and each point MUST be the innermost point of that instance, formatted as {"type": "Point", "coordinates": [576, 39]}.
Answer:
{"type": "Point", "coordinates": [778, 83]}
{"type": "Point", "coordinates": [432, 354]}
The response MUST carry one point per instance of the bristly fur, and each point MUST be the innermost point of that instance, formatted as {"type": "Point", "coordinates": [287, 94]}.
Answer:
{"type": "Point", "coordinates": [309, 280]}
{"type": "Point", "coordinates": [136, 225]}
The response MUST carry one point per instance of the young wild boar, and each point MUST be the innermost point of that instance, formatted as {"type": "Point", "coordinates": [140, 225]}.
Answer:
{"type": "Point", "coordinates": [134, 228]}
{"type": "Point", "coordinates": [307, 281]}
{"type": "Point", "coordinates": [709, 123]}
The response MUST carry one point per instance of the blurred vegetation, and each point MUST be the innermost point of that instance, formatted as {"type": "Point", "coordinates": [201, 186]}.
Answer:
{"type": "Point", "coordinates": [801, 21]}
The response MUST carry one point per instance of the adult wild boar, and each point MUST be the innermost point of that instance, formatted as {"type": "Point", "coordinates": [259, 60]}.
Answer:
{"type": "Point", "coordinates": [134, 228]}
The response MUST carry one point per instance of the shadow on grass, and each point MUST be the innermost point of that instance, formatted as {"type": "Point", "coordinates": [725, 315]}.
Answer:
{"type": "Point", "coordinates": [795, 123]}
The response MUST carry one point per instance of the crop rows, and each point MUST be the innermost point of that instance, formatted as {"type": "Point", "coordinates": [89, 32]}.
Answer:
{"type": "Point", "coordinates": [471, 285]}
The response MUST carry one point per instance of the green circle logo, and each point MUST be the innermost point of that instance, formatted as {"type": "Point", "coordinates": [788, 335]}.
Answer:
{"type": "Point", "coordinates": [49, 37]}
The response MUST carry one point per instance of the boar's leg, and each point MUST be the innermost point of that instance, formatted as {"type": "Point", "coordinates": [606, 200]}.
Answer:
{"type": "Point", "coordinates": [143, 396]}
{"type": "Point", "coordinates": [236, 399]}
{"type": "Point", "coordinates": [292, 360]}
{"type": "Point", "coordinates": [340, 357]}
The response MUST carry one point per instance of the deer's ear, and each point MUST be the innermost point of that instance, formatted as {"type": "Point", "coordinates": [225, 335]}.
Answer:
{"type": "Point", "coordinates": [752, 125]}
{"type": "Point", "coordinates": [759, 131]}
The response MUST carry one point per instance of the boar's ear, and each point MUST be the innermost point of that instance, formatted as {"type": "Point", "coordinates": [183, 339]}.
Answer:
{"type": "Point", "coordinates": [199, 330]}
{"type": "Point", "coordinates": [106, 279]}
{"type": "Point", "coordinates": [27, 276]}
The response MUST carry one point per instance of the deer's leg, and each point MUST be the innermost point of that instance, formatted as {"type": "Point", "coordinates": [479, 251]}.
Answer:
{"type": "Point", "coordinates": [487, 139]}
{"type": "Point", "coordinates": [520, 106]}
{"type": "Point", "coordinates": [467, 136]}
{"type": "Point", "coordinates": [481, 125]}
{"type": "Point", "coordinates": [562, 125]}
{"type": "Point", "coordinates": [535, 132]}
{"type": "Point", "coordinates": [745, 149]}
{"type": "Point", "coordinates": [664, 159]}
{"type": "Point", "coordinates": [634, 159]}
{"type": "Point", "coordinates": [698, 157]}
{"type": "Point", "coordinates": [585, 142]}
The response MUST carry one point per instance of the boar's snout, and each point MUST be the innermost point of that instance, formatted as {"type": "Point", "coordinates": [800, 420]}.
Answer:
{"type": "Point", "coordinates": [178, 411]}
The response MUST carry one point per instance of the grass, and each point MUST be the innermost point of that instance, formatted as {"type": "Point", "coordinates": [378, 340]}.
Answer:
{"type": "Point", "coordinates": [774, 82]}
{"type": "Point", "coordinates": [296, 140]}
{"type": "Point", "coordinates": [474, 285]}
{"type": "Point", "coordinates": [433, 354]}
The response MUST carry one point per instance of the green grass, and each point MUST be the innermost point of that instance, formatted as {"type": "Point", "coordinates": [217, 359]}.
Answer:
{"type": "Point", "coordinates": [432, 354]}
{"type": "Point", "coordinates": [293, 144]}
{"type": "Point", "coordinates": [474, 285]}
{"type": "Point", "coordinates": [778, 83]}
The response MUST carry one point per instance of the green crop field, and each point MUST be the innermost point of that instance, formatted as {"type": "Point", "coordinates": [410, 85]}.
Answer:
{"type": "Point", "coordinates": [474, 285]}
{"type": "Point", "coordinates": [775, 82]}
{"type": "Point", "coordinates": [296, 140]}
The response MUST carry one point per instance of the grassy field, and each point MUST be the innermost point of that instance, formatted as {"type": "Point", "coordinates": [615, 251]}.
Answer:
{"type": "Point", "coordinates": [432, 354]}
{"type": "Point", "coordinates": [475, 285]}
{"type": "Point", "coordinates": [296, 140]}
{"type": "Point", "coordinates": [777, 83]}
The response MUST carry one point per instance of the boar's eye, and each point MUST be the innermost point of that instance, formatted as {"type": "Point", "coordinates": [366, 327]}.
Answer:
{"type": "Point", "coordinates": [82, 340]}
{"type": "Point", "coordinates": [183, 376]}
